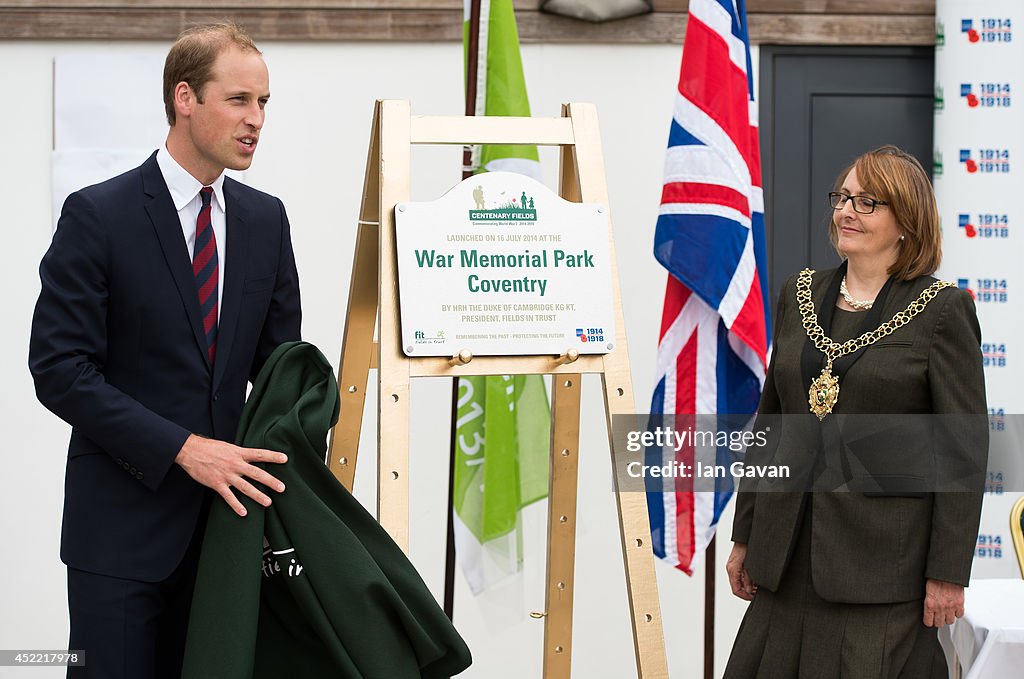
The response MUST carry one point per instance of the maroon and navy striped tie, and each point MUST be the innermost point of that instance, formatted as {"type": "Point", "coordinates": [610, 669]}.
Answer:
{"type": "Point", "coordinates": [206, 269]}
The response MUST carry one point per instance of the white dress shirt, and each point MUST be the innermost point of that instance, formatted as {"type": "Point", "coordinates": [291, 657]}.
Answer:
{"type": "Point", "coordinates": [185, 190]}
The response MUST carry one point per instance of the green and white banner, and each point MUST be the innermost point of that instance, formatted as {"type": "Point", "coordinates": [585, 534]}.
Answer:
{"type": "Point", "coordinates": [494, 482]}
{"type": "Point", "coordinates": [503, 438]}
{"type": "Point", "coordinates": [500, 86]}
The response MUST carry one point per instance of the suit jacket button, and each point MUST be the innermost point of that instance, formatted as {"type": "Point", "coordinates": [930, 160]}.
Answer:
{"type": "Point", "coordinates": [126, 465]}
{"type": "Point", "coordinates": [138, 475]}
{"type": "Point", "coordinates": [120, 462]}
{"type": "Point", "coordinates": [216, 396]}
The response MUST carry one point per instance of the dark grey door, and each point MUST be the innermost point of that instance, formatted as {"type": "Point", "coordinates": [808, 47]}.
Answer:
{"type": "Point", "coordinates": [820, 108]}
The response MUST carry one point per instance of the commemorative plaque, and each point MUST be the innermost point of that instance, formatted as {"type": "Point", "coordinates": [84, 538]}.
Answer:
{"type": "Point", "coordinates": [500, 265]}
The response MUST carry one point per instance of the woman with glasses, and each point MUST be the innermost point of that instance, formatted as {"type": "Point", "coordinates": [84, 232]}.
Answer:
{"type": "Point", "coordinates": [853, 579]}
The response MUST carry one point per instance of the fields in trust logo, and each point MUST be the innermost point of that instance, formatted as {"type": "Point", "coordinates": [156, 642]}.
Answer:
{"type": "Point", "coordinates": [507, 208]}
{"type": "Point", "coordinates": [422, 338]}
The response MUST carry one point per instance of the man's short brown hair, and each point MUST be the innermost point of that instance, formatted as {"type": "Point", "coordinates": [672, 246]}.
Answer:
{"type": "Point", "coordinates": [896, 177]}
{"type": "Point", "coordinates": [192, 56]}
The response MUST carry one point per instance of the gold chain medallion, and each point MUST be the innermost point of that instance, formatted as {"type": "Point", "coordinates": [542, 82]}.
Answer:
{"type": "Point", "coordinates": [823, 394]}
{"type": "Point", "coordinates": [824, 391]}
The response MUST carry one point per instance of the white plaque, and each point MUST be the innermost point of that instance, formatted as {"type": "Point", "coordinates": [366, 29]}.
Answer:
{"type": "Point", "coordinates": [501, 265]}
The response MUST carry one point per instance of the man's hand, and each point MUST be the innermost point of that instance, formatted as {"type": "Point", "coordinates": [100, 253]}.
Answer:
{"type": "Point", "coordinates": [222, 466]}
{"type": "Point", "coordinates": [943, 603]}
{"type": "Point", "coordinates": [739, 579]}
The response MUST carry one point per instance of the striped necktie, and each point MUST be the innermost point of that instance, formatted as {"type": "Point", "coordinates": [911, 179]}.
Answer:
{"type": "Point", "coordinates": [206, 269]}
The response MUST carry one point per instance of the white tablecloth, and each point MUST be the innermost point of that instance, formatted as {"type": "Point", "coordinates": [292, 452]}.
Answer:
{"type": "Point", "coordinates": [989, 639]}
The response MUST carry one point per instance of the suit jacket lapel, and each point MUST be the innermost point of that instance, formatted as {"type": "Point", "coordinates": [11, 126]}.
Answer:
{"type": "Point", "coordinates": [236, 256]}
{"type": "Point", "coordinates": [168, 230]}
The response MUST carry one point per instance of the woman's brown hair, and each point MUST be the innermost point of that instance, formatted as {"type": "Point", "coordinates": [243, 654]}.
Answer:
{"type": "Point", "coordinates": [896, 177]}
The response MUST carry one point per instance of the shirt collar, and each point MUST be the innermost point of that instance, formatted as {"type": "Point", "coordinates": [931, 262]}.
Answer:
{"type": "Point", "coordinates": [182, 185]}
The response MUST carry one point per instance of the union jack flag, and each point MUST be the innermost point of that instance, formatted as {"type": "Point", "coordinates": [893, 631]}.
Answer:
{"type": "Point", "coordinates": [712, 351]}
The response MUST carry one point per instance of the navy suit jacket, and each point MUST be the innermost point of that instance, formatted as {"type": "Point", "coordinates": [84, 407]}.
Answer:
{"type": "Point", "coordinates": [117, 351]}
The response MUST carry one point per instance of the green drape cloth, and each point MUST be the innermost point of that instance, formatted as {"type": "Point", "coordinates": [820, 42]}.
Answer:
{"type": "Point", "coordinates": [312, 586]}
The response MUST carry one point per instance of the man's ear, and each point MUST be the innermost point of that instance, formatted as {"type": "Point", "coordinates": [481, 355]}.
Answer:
{"type": "Point", "coordinates": [184, 99]}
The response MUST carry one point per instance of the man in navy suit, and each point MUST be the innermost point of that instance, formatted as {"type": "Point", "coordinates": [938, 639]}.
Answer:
{"type": "Point", "coordinates": [163, 292]}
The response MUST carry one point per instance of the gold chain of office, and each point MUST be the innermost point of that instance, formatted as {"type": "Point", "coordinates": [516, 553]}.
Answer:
{"type": "Point", "coordinates": [824, 392]}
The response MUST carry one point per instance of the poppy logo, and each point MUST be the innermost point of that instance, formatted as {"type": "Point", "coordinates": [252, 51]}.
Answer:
{"type": "Point", "coordinates": [590, 334]}
{"type": "Point", "coordinates": [965, 224]}
{"type": "Point", "coordinates": [990, 30]}
{"type": "Point", "coordinates": [966, 92]}
{"type": "Point", "coordinates": [968, 162]}
{"type": "Point", "coordinates": [967, 26]}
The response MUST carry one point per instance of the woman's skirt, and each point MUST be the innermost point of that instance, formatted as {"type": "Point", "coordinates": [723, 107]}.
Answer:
{"type": "Point", "coordinates": [795, 634]}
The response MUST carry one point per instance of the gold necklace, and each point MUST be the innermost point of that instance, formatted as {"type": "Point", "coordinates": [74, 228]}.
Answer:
{"type": "Point", "coordinates": [824, 391]}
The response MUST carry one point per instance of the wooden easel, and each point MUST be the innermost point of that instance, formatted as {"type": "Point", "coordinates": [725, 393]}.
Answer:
{"type": "Point", "coordinates": [373, 298]}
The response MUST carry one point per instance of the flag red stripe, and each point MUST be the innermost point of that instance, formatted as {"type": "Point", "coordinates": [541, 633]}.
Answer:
{"type": "Point", "coordinates": [676, 295]}
{"type": "Point", "coordinates": [749, 324]}
{"type": "Point", "coordinates": [686, 403]}
{"type": "Point", "coordinates": [715, 85]}
{"type": "Point", "coordinates": [714, 194]}
{"type": "Point", "coordinates": [754, 159]}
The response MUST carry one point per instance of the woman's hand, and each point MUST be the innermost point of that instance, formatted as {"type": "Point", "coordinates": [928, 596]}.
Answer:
{"type": "Point", "coordinates": [739, 579]}
{"type": "Point", "coordinates": [943, 602]}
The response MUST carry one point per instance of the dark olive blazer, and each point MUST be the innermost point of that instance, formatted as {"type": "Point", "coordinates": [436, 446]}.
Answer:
{"type": "Point", "coordinates": [875, 535]}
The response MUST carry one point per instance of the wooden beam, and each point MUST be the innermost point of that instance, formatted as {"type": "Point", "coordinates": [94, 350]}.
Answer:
{"type": "Point", "coordinates": [841, 29]}
{"type": "Point", "coordinates": [371, 5]}
{"type": "Point", "coordinates": [263, 24]}
{"type": "Point", "coordinates": [429, 25]}
{"type": "Point", "coordinates": [817, 6]}
{"type": "Point", "coordinates": [907, 7]}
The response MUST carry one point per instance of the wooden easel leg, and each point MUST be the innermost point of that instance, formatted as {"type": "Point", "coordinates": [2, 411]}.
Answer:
{"type": "Point", "coordinates": [393, 397]}
{"type": "Point", "coordinates": [565, 437]}
{"type": "Point", "coordinates": [357, 357]}
{"type": "Point", "coordinates": [358, 353]}
{"type": "Point", "coordinates": [635, 532]}
{"type": "Point", "coordinates": [634, 525]}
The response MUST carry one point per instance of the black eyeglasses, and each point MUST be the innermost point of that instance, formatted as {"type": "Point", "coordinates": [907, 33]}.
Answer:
{"type": "Point", "coordinates": [861, 204]}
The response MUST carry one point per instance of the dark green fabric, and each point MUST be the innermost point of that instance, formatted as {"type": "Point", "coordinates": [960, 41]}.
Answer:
{"type": "Point", "coordinates": [335, 597]}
